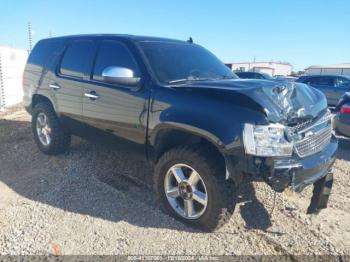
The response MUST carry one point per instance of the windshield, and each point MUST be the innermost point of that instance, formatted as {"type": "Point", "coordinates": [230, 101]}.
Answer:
{"type": "Point", "coordinates": [178, 62]}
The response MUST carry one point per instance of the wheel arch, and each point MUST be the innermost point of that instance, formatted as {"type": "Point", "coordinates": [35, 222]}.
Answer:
{"type": "Point", "coordinates": [170, 137]}
{"type": "Point", "coordinates": [39, 98]}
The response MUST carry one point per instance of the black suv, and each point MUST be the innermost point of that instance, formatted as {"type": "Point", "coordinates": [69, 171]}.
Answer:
{"type": "Point", "coordinates": [175, 103]}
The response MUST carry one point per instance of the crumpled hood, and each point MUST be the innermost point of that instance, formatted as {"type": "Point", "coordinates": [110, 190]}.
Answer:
{"type": "Point", "coordinates": [283, 102]}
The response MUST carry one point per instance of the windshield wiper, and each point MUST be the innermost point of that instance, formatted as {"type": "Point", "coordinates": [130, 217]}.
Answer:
{"type": "Point", "coordinates": [178, 81]}
{"type": "Point", "coordinates": [190, 79]}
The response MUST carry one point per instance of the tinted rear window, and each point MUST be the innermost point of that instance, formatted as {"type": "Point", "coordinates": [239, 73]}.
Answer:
{"type": "Point", "coordinates": [77, 58]}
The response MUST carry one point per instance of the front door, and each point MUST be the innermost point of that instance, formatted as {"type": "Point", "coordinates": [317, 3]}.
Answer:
{"type": "Point", "coordinates": [112, 108]}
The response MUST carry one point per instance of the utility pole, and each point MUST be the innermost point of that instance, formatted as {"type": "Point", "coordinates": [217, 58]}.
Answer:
{"type": "Point", "coordinates": [50, 33]}
{"type": "Point", "coordinates": [30, 36]}
{"type": "Point", "coordinates": [2, 93]}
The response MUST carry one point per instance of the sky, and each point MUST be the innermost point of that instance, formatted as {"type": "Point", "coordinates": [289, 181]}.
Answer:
{"type": "Point", "coordinates": [302, 32]}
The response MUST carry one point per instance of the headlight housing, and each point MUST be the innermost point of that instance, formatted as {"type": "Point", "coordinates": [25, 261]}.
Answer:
{"type": "Point", "coordinates": [266, 140]}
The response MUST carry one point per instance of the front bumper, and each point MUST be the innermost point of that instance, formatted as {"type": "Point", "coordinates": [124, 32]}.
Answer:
{"type": "Point", "coordinates": [293, 172]}
{"type": "Point", "coordinates": [281, 173]}
{"type": "Point", "coordinates": [301, 172]}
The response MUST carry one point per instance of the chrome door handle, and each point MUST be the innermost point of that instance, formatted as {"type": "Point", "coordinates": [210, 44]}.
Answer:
{"type": "Point", "coordinates": [54, 86]}
{"type": "Point", "coordinates": [92, 95]}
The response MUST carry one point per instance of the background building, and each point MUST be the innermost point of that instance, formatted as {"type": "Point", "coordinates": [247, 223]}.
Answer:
{"type": "Point", "coordinates": [339, 69]}
{"type": "Point", "coordinates": [271, 68]}
{"type": "Point", "coordinates": [12, 63]}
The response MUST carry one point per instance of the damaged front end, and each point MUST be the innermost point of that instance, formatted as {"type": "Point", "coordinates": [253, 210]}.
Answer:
{"type": "Point", "coordinates": [305, 152]}
{"type": "Point", "coordinates": [292, 145]}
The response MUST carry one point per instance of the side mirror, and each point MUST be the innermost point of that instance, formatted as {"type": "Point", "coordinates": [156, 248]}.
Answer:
{"type": "Point", "coordinates": [120, 75]}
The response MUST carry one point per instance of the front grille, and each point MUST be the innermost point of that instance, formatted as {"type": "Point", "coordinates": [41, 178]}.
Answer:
{"type": "Point", "coordinates": [314, 143]}
{"type": "Point", "coordinates": [315, 137]}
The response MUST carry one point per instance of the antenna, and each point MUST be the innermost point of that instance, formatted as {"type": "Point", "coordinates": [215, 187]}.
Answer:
{"type": "Point", "coordinates": [190, 40]}
{"type": "Point", "coordinates": [30, 36]}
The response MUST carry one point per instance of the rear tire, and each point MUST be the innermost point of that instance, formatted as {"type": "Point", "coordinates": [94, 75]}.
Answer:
{"type": "Point", "coordinates": [220, 193]}
{"type": "Point", "coordinates": [50, 135]}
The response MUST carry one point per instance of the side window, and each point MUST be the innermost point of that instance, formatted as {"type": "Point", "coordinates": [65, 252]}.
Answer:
{"type": "Point", "coordinates": [246, 75]}
{"type": "Point", "coordinates": [342, 82]}
{"type": "Point", "coordinates": [321, 81]}
{"type": "Point", "coordinates": [77, 58]}
{"type": "Point", "coordinates": [241, 75]}
{"type": "Point", "coordinates": [258, 76]}
{"type": "Point", "coordinates": [113, 53]}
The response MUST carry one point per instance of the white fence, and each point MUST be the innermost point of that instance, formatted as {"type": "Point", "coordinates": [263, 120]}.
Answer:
{"type": "Point", "coordinates": [12, 63]}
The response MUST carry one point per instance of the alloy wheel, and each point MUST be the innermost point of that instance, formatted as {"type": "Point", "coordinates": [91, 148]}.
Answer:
{"type": "Point", "coordinates": [186, 191]}
{"type": "Point", "coordinates": [43, 129]}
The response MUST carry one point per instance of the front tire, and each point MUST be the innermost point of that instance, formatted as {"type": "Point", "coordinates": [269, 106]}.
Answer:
{"type": "Point", "coordinates": [49, 134]}
{"type": "Point", "coordinates": [190, 184]}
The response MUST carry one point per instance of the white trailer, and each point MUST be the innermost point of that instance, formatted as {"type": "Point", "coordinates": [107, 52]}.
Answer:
{"type": "Point", "coordinates": [12, 63]}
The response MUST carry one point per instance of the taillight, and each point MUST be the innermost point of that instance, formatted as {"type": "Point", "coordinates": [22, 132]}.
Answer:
{"type": "Point", "coordinates": [345, 109]}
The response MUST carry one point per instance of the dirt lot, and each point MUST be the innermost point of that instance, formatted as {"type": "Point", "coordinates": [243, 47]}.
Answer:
{"type": "Point", "coordinates": [96, 200]}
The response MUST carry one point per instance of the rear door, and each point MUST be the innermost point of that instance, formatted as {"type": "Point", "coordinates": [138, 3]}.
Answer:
{"type": "Point", "coordinates": [66, 85]}
{"type": "Point", "coordinates": [117, 109]}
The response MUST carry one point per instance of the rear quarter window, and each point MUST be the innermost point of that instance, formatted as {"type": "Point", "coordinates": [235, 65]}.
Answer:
{"type": "Point", "coordinates": [44, 51]}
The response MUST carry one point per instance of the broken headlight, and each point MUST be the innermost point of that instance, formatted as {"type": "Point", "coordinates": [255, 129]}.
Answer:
{"type": "Point", "coordinates": [267, 140]}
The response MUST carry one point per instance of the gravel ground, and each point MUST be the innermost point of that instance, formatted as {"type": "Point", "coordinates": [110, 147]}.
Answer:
{"type": "Point", "coordinates": [96, 200]}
